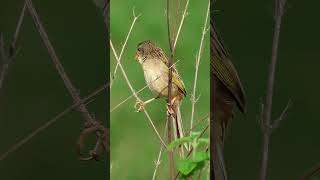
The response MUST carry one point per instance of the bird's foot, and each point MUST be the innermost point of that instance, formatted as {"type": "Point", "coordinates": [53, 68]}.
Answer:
{"type": "Point", "coordinates": [170, 109]}
{"type": "Point", "coordinates": [139, 106]}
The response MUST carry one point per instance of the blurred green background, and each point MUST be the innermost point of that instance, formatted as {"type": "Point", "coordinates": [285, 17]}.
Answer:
{"type": "Point", "coordinates": [33, 92]}
{"type": "Point", "coordinates": [247, 29]}
{"type": "Point", "coordinates": [134, 145]}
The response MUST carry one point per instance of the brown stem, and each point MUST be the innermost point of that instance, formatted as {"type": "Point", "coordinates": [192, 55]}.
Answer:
{"type": "Point", "coordinates": [101, 132]}
{"type": "Point", "coordinates": [106, 15]}
{"type": "Point", "coordinates": [198, 58]}
{"type": "Point", "coordinates": [184, 14]}
{"type": "Point", "coordinates": [169, 95]}
{"type": "Point", "coordinates": [266, 118]}
{"type": "Point", "coordinates": [51, 122]}
{"type": "Point", "coordinates": [6, 60]}
{"type": "Point", "coordinates": [175, 24]}
{"type": "Point", "coordinates": [55, 59]}
{"type": "Point", "coordinates": [17, 32]}
{"type": "Point", "coordinates": [314, 171]}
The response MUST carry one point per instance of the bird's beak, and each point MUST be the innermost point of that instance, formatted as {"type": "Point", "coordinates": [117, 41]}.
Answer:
{"type": "Point", "coordinates": [136, 56]}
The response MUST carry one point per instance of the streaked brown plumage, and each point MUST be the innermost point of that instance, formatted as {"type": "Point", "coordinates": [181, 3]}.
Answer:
{"type": "Point", "coordinates": [227, 93]}
{"type": "Point", "coordinates": [155, 67]}
{"type": "Point", "coordinates": [227, 85]}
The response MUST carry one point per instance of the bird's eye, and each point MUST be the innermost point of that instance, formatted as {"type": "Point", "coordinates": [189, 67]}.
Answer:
{"type": "Point", "coordinates": [139, 49]}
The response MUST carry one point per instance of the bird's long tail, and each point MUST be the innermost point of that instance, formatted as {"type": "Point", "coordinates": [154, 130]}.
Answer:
{"type": "Point", "coordinates": [218, 162]}
{"type": "Point", "coordinates": [177, 123]}
{"type": "Point", "coordinates": [221, 161]}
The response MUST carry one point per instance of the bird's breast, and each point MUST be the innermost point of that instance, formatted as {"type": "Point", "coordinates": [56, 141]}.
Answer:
{"type": "Point", "coordinates": [156, 80]}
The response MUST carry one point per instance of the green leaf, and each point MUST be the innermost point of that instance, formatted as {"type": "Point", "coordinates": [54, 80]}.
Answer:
{"type": "Point", "coordinates": [188, 139]}
{"type": "Point", "coordinates": [200, 157]}
{"type": "Point", "coordinates": [204, 141]}
{"type": "Point", "coordinates": [178, 142]}
{"type": "Point", "coordinates": [199, 166]}
{"type": "Point", "coordinates": [189, 166]}
{"type": "Point", "coordinates": [186, 166]}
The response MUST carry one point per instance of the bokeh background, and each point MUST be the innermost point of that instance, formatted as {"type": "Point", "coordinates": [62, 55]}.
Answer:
{"type": "Point", "coordinates": [134, 145]}
{"type": "Point", "coordinates": [247, 29]}
{"type": "Point", "coordinates": [33, 92]}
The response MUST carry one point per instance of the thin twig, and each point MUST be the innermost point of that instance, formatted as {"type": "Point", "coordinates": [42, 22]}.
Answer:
{"type": "Point", "coordinates": [157, 164]}
{"type": "Point", "coordinates": [198, 123]}
{"type": "Point", "coordinates": [135, 17]}
{"type": "Point", "coordinates": [311, 173]}
{"type": "Point", "coordinates": [181, 23]}
{"type": "Point", "coordinates": [135, 94]}
{"type": "Point", "coordinates": [169, 118]}
{"type": "Point", "coordinates": [175, 21]}
{"type": "Point", "coordinates": [55, 59]}
{"type": "Point", "coordinates": [6, 60]}
{"type": "Point", "coordinates": [193, 96]}
{"type": "Point", "coordinates": [102, 140]}
{"type": "Point", "coordinates": [17, 32]}
{"type": "Point", "coordinates": [283, 115]}
{"type": "Point", "coordinates": [4, 64]}
{"type": "Point", "coordinates": [51, 122]}
{"type": "Point", "coordinates": [266, 120]}
{"type": "Point", "coordinates": [114, 108]}
{"type": "Point", "coordinates": [106, 15]}
{"type": "Point", "coordinates": [125, 100]}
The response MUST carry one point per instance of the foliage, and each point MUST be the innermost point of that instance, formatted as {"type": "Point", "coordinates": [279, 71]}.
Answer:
{"type": "Point", "coordinates": [196, 162]}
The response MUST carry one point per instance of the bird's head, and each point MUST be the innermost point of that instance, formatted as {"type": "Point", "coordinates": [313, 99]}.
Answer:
{"type": "Point", "coordinates": [148, 50]}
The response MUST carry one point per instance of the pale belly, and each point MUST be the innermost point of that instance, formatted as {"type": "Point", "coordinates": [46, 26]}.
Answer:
{"type": "Point", "coordinates": [157, 81]}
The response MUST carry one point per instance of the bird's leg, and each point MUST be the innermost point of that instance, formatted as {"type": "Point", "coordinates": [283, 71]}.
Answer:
{"type": "Point", "coordinates": [141, 104]}
{"type": "Point", "coordinates": [169, 107]}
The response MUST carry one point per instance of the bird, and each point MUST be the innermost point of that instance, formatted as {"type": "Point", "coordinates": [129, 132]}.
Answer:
{"type": "Point", "coordinates": [156, 73]}
{"type": "Point", "coordinates": [228, 92]}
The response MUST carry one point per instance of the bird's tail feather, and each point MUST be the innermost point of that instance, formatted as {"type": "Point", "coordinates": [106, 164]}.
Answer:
{"type": "Point", "coordinates": [221, 161]}
{"type": "Point", "coordinates": [177, 124]}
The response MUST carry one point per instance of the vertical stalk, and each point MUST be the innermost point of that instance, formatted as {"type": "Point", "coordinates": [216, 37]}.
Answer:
{"type": "Point", "coordinates": [266, 116]}
{"type": "Point", "coordinates": [169, 96]}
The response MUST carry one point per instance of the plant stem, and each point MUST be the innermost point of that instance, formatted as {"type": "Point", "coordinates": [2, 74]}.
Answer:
{"type": "Point", "coordinates": [266, 118]}
{"type": "Point", "coordinates": [169, 118]}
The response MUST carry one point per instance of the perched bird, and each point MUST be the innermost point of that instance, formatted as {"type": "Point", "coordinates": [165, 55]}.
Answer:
{"type": "Point", "coordinates": [155, 67]}
{"type": "Point", "coordinates": [227, 93]}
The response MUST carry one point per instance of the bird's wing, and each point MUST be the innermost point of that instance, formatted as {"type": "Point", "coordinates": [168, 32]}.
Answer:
{"type": "Point", "coordinates": [159, 54]}
{"type": "Point", "coordinates": [225, 71]}
{"type": "Point", "coordinates": [176, 79]}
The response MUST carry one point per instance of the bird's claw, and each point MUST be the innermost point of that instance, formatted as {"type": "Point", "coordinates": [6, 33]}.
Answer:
{"type": "Point", "coordinates": [140, 104]}
{"type": "Point", "coordinates": [169, 109]}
